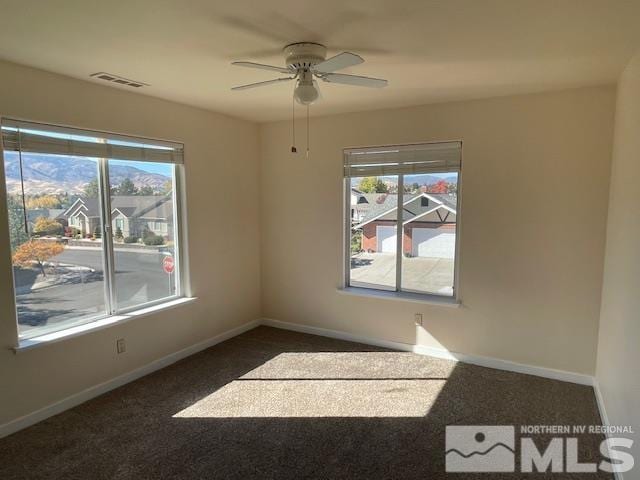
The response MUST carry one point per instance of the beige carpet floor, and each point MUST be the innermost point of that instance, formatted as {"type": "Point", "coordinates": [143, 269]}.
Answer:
{"type": "Point", "coordinates": [273, 404]}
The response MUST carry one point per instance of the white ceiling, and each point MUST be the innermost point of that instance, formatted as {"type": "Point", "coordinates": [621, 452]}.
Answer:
{"type": "Point", "coordinates": [430, 51]}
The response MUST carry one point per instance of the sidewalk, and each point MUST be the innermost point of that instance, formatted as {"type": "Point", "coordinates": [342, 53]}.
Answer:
{"type": "Point", "coordinates": [62, 274]}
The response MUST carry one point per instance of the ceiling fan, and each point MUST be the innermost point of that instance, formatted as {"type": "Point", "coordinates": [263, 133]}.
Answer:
{"type": "Point", "coordinates": [305, 61]}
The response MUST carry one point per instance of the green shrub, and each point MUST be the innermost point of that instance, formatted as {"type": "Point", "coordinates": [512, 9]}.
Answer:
{"type": "Point", "coordinates": [131, 239]}
{"type": "Point", "coordinates": [153, 239]}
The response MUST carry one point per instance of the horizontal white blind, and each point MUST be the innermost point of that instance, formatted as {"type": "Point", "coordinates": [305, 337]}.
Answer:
{"type": "Point", "coordinates": [405, 159]}
{"type": "Point", "coordinates": [31, 137]}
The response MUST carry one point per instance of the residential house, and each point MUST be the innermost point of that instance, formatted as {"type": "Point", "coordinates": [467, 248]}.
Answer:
{"type": "Point", "coordinates": [428, 222]}
{"type": "Point", "coordinates": [131, 214]}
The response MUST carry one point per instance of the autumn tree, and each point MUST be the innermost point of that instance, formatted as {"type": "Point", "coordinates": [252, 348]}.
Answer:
{"type": "Point", "coordinates": [47, 226]}
{"type": "Point", "coordinates": [439, 187]}
{"type": "Point", "coordinates": [167, 187]}
{"type": "Point", "coordinates": [44, 201]}
{"type": "Point", "coordinates": [38, 252]}
{"type": "Point", "coordinates": [373, 185]}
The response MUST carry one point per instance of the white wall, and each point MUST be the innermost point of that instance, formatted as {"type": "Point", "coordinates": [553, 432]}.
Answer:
{"type": "Point", "coordinates": [536, 176]}
{"type": "Point", "coordinates": [221, 159]}
{"type": "Point", "coordinates": [618, 370]}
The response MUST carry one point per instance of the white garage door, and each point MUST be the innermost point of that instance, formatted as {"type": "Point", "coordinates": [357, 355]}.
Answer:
{"type": "Point", "coordinates": [433, 242]}
{"type": "Point", "coordinates": [386, 236]}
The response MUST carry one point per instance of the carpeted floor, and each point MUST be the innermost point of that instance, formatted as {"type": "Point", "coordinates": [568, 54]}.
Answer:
{"type": "Point", "coordinates": [273, 404]}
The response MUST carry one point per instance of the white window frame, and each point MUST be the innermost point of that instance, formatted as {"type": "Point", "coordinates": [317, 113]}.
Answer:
{"type": "Point", "coordinates": [398, 292]}
{"type": "Point", "coordinates": [112, 314]}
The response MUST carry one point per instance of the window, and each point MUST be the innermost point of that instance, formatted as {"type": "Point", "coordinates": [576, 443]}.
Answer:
{"type": "Point", "coordinates": [413, 250]}
{"type": "Point", "coordinates": [80, 207]}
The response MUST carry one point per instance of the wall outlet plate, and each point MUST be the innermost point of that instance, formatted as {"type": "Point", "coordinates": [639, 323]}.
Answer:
{"type": "Point", "coordinates": [121, 346]}
{"type": "Point", "coordinates": [418, 318]}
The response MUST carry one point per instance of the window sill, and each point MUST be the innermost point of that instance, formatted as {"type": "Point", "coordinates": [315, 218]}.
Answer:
{"type": "Point", "coordinates": [54, 337]}
{"type": "Point", "coordinates": [402, 296]}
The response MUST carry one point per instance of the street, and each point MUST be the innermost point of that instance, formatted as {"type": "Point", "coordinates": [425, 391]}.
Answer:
{"type": "Point", "coordinates": [139, 279]}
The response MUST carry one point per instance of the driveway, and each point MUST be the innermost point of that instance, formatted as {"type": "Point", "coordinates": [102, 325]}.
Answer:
{"type": "Point", "coordinates": [424, 274]}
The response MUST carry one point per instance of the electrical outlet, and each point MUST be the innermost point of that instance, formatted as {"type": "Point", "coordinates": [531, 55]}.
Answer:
{"type": "Point", "coordinates": [121, 346]}
{"type": "Point", "coordinates": [418, 318]}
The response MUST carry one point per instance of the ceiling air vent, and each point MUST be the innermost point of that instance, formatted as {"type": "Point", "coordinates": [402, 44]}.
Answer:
{"type": "Point", "coordinates": [109, 77]}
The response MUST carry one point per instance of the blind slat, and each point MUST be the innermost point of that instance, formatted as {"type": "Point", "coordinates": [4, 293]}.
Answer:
{"type": "Point", "coordinates": [36, 138]}
{"type": "Point", "coordinates": [409, 159]}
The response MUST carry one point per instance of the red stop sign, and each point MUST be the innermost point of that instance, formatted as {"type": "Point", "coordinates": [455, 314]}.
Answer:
{"type": "Point", "coordinates": [168, 265]}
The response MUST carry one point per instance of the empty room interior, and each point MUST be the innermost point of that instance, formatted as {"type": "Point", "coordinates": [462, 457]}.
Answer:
{"type": "Point", "coordinates": [354, 239]}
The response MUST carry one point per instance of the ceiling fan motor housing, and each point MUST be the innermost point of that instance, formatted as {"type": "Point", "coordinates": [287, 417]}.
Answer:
{"type": "Point", "coordinates": [304, 55]}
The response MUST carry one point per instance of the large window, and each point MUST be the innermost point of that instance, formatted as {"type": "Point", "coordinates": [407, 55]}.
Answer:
{"type": "Point", "coordinates": [401, 210]}
{"type": "Point", "coordinates": [94, 222]}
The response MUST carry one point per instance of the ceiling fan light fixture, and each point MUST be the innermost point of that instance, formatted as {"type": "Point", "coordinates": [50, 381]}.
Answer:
{"type": "Point", "coordinates": [305, 93]}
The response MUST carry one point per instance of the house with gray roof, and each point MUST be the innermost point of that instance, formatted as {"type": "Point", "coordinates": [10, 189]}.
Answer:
{"type": "Point", "coordinates": [428, 223]}
{"type": "Point", "coordinates": [132, 214]}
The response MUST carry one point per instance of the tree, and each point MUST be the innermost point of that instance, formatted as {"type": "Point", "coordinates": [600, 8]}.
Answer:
{"type": "Point", "coordinates": [439, 187]}
{"type": "Point", "coordinates": [166, 187]}
{"type": "Point", "coordinates": [118, 234]}
{"type": "Point", "coordinates": [17, 233]}
{"type": "Point", "coordinates": [372, 185]}
{"type": "Point", "coordinates": [126, 187]}
{"type": "Point", "coordinates": [146, 191]}
{"type": "Point", "coordinates": [97, 232]}
{"type": "Point", "coordinates": [44, 201]}
{"type": "Point", "coordinates": [47, 226]}
{"type": "Point", "coordinates": [38, 251]}
{"type": "Point", "coordinates": [92, 189]}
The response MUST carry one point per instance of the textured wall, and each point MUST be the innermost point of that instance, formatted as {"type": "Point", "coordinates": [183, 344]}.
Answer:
{"type": "Point", "coordinates": [534, 205]}
{"type": "Point", "coordinates": [221, 161]}
{"type": "Point", "coordinates": [618, 371]}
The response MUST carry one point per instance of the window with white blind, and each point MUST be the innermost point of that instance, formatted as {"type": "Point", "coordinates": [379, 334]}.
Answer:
{"type": "Point", "coordinates": [402, 208]}
{"type": "Point", "coordinates": [94, 221]}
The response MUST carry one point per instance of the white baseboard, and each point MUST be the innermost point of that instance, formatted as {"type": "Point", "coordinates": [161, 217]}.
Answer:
{"type": "Point", "coordinates": [96, 390]}
{"type": "Point", "coordinates": [489, 362]}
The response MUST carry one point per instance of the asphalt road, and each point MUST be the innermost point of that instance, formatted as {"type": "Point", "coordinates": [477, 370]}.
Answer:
{"type": "Point", "coordinates": [139, 279]}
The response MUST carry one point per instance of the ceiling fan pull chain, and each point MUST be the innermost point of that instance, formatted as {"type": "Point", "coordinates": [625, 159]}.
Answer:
{"type": "Point", "coordinates": [307, 132]}
{"type": "Point", "coordinates": [293, 124]}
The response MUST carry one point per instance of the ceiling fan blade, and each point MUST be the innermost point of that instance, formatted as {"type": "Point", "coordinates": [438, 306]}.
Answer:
{"type": "Point", "coordinates": [340, 61]}
{"type": "Point", "coordinates": [354, 80]}
{"type": "Point", "coordinates": [262, 67]}
{"type": "Point", "coordinates": [260, 84]}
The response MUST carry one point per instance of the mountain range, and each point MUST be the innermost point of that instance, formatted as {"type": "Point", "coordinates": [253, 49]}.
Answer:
{"type": "Point", "coordinates": [60, 174]}
{"type": "Point", "coordinates": [421, 179]}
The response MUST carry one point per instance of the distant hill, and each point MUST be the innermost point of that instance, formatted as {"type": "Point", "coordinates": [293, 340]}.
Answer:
{"type": "Point", "coordinates": [58, 174]}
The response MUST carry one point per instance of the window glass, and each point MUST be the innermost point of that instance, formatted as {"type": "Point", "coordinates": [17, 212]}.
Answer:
{"type": "Point", "coordinates": [373, 210]}
{"type": "Point", "coordinates": [401, 217]}
{"type": "Point", "coordinates": [58, 260]}
{"type": "Point", "coordinates": [429, 233]}
{"type": "Point", "coordinates": [90, 236]}
{"type": "Point", "coordinates": [144, 241]}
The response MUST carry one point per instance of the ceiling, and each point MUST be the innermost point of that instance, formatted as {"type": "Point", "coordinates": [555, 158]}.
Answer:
{"type": "Point", "coordinates": [429, 50]}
